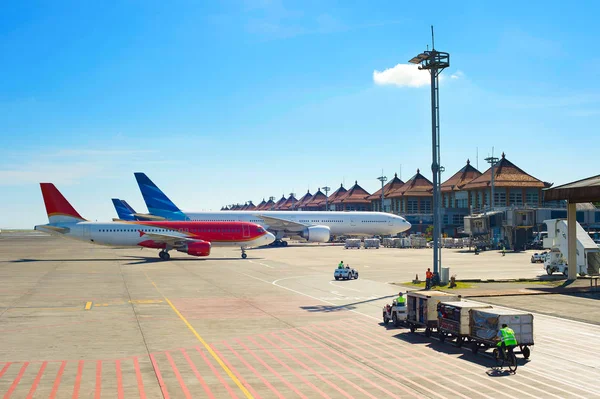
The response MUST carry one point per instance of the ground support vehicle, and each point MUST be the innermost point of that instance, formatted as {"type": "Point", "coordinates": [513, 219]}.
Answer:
{"type": "Point", "coordinates": [454, 320]}
{"type": "Point", "coordinates": [422, 309]}
{"type": "Point", "coordinates": [485, 324]}
{"type": "Point", "coordinates": [395, 313]}
{"type": "Point", "coordinates": [390, 242]}
{"type": "Point", "coordinates": [347, 273]}
{"type": "Point", "coordinates": [538, 258]}
{"type": "Point", "coordinates": [352, 243]}
{"type": "Point", "coordinates": [587, 251]}
{"type": "Point", "coordinates": [372, 243]}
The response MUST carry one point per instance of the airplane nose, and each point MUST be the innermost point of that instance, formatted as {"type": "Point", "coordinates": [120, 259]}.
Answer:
{"type": "Point", "coordinates": [269, 238]}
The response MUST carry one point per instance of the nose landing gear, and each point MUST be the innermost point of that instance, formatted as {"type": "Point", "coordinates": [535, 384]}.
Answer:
{"type": "Point", "coordinates": [244, 256]}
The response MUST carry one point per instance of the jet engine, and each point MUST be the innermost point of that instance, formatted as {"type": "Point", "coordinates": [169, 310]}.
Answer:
{"type": "Point", "coordinates": [317, 233]}
{"type": "Point", "coordinates": [198, 248]}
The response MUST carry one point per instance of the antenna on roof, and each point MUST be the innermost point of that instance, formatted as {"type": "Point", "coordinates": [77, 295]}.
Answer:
{"type": "Point", "coordinates": [432, 42]}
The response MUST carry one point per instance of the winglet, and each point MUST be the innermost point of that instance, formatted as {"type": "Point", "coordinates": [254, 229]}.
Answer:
{"type": "Point", "coordinates": [157, 202]}
{"type": "Point", "coordinates": [59, 210]}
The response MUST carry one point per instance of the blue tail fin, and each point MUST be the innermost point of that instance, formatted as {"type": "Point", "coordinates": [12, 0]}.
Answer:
{"type": "Point", "coordinates": [124, 211]}
{"type": "Point", "coordinates": [126, 205]}
{"type": "Point", "coordinates": [157, 202]}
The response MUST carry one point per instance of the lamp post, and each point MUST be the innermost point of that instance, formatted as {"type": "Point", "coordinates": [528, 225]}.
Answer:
{"type": "Point", "coordinates": [492, 161]}
{"type": "Point", "coordinates": [435, 62]}
{"type": "Point", "coordinates": [326, 189]}
{"type": "Point", "coordinates": [382, 179]}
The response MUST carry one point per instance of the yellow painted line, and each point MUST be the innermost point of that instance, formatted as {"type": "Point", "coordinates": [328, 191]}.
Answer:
{"type": "Point", "coordinates": [88, 305]}
{"type": "Point", "coordinates": [203, 342]}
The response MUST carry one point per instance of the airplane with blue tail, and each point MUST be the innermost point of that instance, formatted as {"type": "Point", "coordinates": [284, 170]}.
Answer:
{"type": "Point", "coordinates": [314, 226]}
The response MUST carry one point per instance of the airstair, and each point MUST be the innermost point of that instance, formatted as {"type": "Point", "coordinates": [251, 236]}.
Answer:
{"type": "Point", "coordinates": [588, 253]}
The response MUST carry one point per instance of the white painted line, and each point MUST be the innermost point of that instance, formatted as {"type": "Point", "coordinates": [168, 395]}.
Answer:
{"type": "Point", "coordinates": [346, 288]}
{"type": "Point", "coordinates": [262, 264]}
{"type": "Point", "coordinates": [307, 295]}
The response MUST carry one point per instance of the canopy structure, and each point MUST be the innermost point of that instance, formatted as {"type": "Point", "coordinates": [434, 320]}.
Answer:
{"type": "Point", "coordinates": [585, 190]}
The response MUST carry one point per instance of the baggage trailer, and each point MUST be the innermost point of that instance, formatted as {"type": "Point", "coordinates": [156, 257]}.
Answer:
{"type": "Point", "coordinates": [422, 309]}
{"type": "Point", "coordinates": [372, 243]}
{"type": "Point", "coordinates": [485, 324]}
{"type": "Point", "coordinates": [454, 320]}
{"type": "Point", "coordinates": [352, 243]}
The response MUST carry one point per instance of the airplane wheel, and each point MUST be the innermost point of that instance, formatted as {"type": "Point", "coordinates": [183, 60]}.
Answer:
{"type": "Point", "coordinates": [284, 243]}
{"type": "Point", "coordinates": [244, 256]}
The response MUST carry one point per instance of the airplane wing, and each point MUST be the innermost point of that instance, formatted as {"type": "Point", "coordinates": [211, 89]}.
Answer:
{"type": "Point", "coordinates": [169, 239]}
{"type": "Point", "coordinates": [147, 216]}
{"type": "Point", "coordinates": [282, 224]}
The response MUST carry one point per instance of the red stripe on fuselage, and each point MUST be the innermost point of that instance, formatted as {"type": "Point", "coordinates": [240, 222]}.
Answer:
{"type": "Point", "coordinates": [205, 231]}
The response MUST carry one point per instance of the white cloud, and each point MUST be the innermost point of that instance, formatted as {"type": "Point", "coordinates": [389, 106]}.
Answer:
{"type": "Point", "coordinates": [402, 75]}
{"type": "Point", "coordinates": [457, 75]}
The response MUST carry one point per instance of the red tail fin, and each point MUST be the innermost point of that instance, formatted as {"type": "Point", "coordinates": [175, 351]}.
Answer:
{"type": "Point", "coordinates": [57, 207]}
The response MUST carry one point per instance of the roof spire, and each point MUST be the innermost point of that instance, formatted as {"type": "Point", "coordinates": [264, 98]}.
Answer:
{"type": "Point", "coordinates": [355, 181]}
{"type": "Point", "coordinates": [395, 174]}
{"type": "Point", "coordinates": [418, 171]}
{"type": "Point", "coordinates": [468, 162]}
{"type": "Point", "coordinates": [503, 156]}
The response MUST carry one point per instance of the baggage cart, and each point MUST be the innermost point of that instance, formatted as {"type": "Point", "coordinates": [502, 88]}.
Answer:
{"type": "Point", "coordinates": [372, 243]}
{"type": "Point", "coordinates": [422, 309]}
{"type": "Point", "coordinates": [352, 243]}
{"type": "Point", "coordinates": [454, 320]}
{"type": "Point", "coordinates": [485, 324]}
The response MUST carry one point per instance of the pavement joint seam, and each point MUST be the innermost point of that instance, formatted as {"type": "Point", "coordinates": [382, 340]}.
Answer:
{"type": "Point", "coordinates": [137, 320]}
{"type": "Point", "coordinates": [208, 348]}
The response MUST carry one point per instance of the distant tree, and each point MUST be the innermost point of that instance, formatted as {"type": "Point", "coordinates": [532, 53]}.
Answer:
{"type": "Point", "coordinates": [429, 233]}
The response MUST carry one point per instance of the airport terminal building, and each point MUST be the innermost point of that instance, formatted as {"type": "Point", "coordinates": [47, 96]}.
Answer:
{"type": "Point", "coordinates": [518, 208]}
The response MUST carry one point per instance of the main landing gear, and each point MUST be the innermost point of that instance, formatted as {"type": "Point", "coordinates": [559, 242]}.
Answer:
{"type": "Point", "coordinates": [244, 256]}
{"type": "Point", "coordinates": [279, 243]}
{"type": "Point", "coordinates": [164, 255]}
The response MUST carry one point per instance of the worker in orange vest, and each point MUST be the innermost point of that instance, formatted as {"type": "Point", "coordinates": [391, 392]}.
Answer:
{"type": "Point", "coordinates": [428, 277]}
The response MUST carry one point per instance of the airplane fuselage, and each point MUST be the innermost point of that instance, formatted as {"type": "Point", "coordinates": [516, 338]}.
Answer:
{"type": "Point", "coordinates": [339, 223]}
{"type": "Point", "coordinates": [132, 234]}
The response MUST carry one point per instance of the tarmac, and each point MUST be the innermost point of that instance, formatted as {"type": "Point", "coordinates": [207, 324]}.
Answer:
{"type": "Point", "coordinates": [79, 320]}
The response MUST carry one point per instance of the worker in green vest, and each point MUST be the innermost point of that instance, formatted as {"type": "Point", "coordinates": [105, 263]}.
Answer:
{"type": "Point", "coordinates": [400, 301]}
{"type": "Point", "coordinates": [506, 339]}
{"type": "Point", "coordinates": [341, 265]}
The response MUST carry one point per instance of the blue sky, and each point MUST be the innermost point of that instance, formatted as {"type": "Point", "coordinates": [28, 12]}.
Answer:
{"type": "Point", "coordinates": [228, 101]}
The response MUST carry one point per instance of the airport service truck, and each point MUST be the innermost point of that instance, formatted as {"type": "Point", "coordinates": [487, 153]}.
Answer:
{"type": "Point", "coordinates": [588, 253]}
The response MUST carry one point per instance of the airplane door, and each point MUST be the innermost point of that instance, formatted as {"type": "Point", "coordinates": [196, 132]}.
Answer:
{"type": "Point", "coordinates": [245, 231]}
{"type": "Point", "coordinates": [86, 232]}
{"type": "Point", "coordinates": [390, 222]}
{"type": "Point", "coordinates": [352, 222]}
